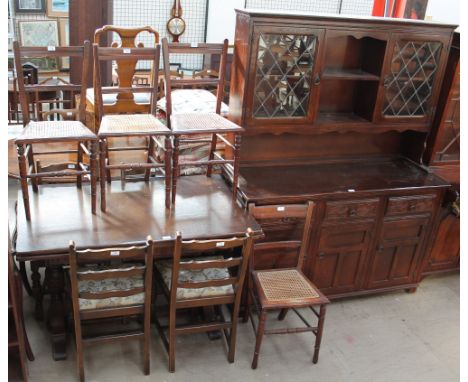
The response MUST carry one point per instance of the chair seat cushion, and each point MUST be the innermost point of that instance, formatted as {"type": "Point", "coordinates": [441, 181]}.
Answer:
{"type": "Point", "coordinates": [196, 123]}
{"type": "Point", "coordinates": [54, 131]}
{"type": "Point", "coordinates": [111, 284]}
{"type": "Point", "coordinates": [131, 124]}
{"type": "Point", "coordinates": [165, 269]}
{"type": "Point", "coordinates": [111, 98]}
{"type": "Point", "coordinates": [284, 285]}
{"type": "Point", "coordinates": [193, 101]}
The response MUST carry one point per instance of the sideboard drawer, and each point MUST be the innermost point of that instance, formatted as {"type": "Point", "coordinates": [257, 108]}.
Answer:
{"type": "Point", "coordinates": [352, 209]}
{"type": "Point", "coordinates": [410, 204]}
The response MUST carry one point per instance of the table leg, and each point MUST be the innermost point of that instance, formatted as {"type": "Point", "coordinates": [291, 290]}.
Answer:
{"type": "Point", "coordinates": [37, 290]}
{"type": "Point", "coordinates": [56, 313]}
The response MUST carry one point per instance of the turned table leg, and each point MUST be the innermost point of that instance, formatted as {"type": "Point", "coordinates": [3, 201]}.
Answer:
{"type": "Point", "coordinates": [56, 313]}
{"type": "Point", "coordinates": [37, 290]}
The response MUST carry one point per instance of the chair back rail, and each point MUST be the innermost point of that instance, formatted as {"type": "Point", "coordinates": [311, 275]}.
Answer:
{"type": "Point", "coordinates": [24, 89]}
{"type": "Point", "coordinates": [125, 91]}
{"type": "Point", "coordinates": [202, 48]}
{"type": "Point", "coordinates": [264, 214]}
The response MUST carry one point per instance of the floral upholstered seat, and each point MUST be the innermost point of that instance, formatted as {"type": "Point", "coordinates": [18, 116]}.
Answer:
{"type": "Point", "coordinates": [165, 269]}
{"type": "Point", "coordinates": [193, 101]}
{"type": "Point", "coordinates": [111, 284]}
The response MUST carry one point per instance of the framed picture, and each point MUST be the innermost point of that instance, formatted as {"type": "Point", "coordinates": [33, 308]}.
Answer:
{"type": "Point", "coordinates": [44, 64]}
{"type": "Point", "coordinates": [57, 8]}
{"type": "Point", "coordinates": [64, 32]}
{"type": "Point", "coordinates": [29, 6]}
{"type": "Point", "coordinates": [39, 33]}
{"type": "Point", "coordinates": [415, 9]}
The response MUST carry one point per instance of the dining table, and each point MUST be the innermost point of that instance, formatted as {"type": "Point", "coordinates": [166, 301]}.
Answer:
{"type": "Point", "coordinates": [60, 213]}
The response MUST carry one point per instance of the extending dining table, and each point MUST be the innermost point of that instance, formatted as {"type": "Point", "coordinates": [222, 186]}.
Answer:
{"type": "Point", "coordinates": [60, 213]}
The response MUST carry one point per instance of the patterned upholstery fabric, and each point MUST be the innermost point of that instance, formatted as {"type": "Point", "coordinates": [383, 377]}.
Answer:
{"type": "Point", "coordinates": [193, 101]}
{"type": "Point", "coordinates": [165, 269]}
{"type": "Point", "coordinates": [112, 284]}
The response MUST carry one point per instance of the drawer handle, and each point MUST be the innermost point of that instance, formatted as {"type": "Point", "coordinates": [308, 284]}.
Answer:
{"type": "Point", "coordinates": [321, 255]}
{"type": "Point", "coordinates": [412, 207]}
{"type": "Point", "coordinates": [380, 247]}
{"type": "Point", "coordinates": [352, 212]}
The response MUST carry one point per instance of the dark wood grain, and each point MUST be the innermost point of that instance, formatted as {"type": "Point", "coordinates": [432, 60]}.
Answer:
{"type": "Point", "coordinates": [204, 210]}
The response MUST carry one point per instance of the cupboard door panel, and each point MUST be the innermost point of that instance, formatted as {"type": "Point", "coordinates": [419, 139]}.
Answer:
{"type": "Point", "coordinates": [398, 251]}
{"type": "Point", "coordinates": [412, 78]}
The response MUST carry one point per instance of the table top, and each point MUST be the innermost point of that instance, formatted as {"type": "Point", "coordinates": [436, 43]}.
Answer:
{"type": "Point", "coordinates": [203, 210]}
{"type": "Point", "coordinates": [297, 183]}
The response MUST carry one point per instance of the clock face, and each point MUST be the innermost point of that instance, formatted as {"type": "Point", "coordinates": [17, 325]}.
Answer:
{"type": "Point", "coordinates": [176, 26]}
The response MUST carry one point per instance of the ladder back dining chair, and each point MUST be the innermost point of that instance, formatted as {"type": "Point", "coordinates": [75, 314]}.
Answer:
{"type": "Point", "coordinates": [101, 289]}
{"type": "Point", "coordinates": [193, 127]}
{"type": "Point", "coordinates": [63, 130]}
{"type": "Point", "coordinates": [203, 281]}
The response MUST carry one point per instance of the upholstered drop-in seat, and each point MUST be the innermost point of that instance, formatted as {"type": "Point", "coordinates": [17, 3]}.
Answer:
{"type": "Point", "coordinates": [131, 124]}
{"type": "Point", "coordinates": [108, 285]}
{"type": "Point", "coordinates": [198, 123]}
{"type": "Point", "coordinates": [193, 101]}
{"type": "Point", "coordinates": [165, 269]}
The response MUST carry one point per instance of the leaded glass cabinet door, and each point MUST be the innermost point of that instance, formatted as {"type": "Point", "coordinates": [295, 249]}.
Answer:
{"type": "Point", "coordinates": [285, 75]}
{"type": "Point", "coordinates": [412, 78]}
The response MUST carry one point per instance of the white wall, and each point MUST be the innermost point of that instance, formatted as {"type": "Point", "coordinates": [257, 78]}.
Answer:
{"type": "Point", "coordinates": [222, 20]}
{"type": "Point", "coordinates": [444, 10]}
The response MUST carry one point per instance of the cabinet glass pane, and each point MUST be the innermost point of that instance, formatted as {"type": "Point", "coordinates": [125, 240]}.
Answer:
{"type": "Point", "coordinates": [412, 74]}
{"type": "Point", "coordinates": [283, 75]}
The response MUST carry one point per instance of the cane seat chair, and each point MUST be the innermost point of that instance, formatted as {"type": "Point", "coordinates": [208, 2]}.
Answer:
{"type": "Point", "coordinates": [201, 282]}
{"type": "Point", "coordinates": [194, 127]}
{"type": "Point", "coordinates": [57, 131]}
{"type": "Point", "coordinates": [101, 289]}
{"type": "Point", "coordinates": [284, 288]}
{"type": "Point", "coordinates": [130, 124]}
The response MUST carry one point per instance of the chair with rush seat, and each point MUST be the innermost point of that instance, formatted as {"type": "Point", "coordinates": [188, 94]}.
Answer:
{"type": "Point", "coordinates": [284, 288]}
{"type": "Point", "coordinates": [201, 282]}
{"type": "Point", "coordinates": [111, 291]}
{"type": "Point", "coordinates": [202, 127]}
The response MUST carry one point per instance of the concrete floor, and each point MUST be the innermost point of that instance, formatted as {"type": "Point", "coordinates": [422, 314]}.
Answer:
{"type": "Point", "coordinates": [387, 337]}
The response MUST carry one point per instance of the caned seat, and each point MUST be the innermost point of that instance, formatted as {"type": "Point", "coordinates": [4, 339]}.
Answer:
{"type": "Point", "coordinates": [284, 285]}
{"type": "Point", "coordinates": [52, 131]}
{"type": "Point", "coordinates": [283, 288]}
{"type": "Point", "coordinates": [131, 125]}
{"type": "Point", "coordinates": [111, 283]}
{"type": "Point", "coordinates": [196, 275]}
{"type": "Point", "coordinates": [206, 127]}
{"type": "Point", "coordinates": [211, 281]}
{"type": "Point", "coordinates": [64, 129]}
{"type": "Point", "coordinates": [202, 123]}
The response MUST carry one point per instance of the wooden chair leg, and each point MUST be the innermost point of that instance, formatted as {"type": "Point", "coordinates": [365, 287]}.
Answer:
{"type": "Point", "coordinates": [147, 344]}
{"type": "Point", "coordinates": [233, 333]}
{"type": "Point", "coordinates": [168, 170]}
{"type": "Point", "coordinates": [24, 278]}
{"type": "Point", "coordinates": [102, 173]}
{"type": "Point", "coordinates": [175, 168]}
{"type": "Point", "coordinates": [148, 158]}
{"type": "Point", "coordinates": [23, 180]}
{"type": "Point", "coordinates": [19, 289]}
{"type": "Point", "coordinates": [94, 171]}
{"type": "Point", "coordinates": [209, 168]}
{"type": "Point", "coordinates": [258, 342]}
{"type": "Point", "coordinates": [79, 159]}
{"type": "Point", "coordinates": [235, 178]}
{"type": "Point", "coordinates": [318, 338]}
{"type": "Point", "coordinates": [108, 171]}
{"type": "Point", "coordinates": [34, 181]}
{"type": "Point", "coordinates": [172, 340]}
{"type": "Point", "coordinates": [282, 314]}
